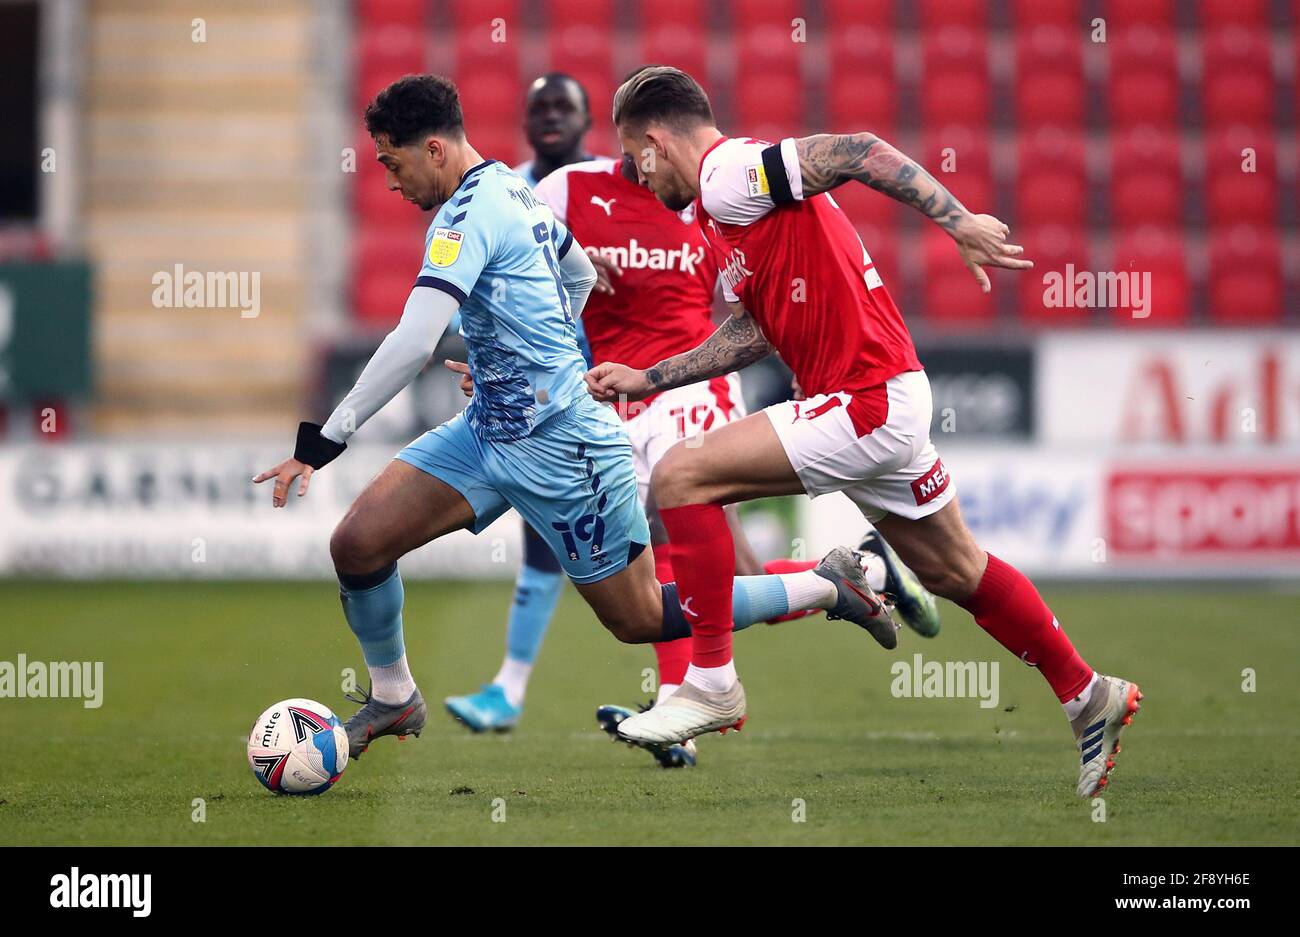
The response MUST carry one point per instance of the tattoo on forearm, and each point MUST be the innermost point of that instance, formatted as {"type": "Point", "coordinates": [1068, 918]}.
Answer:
{"type": "Point", "coordinates": [738, 342]}
{"type": "Point", "coordinates": [831, 159]}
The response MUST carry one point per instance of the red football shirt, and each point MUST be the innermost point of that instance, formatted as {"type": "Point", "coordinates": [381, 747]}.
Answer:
{"type": "Point", "coordinates": [802, 271]}
{"type": "Point", "coordinates": [662, 304]}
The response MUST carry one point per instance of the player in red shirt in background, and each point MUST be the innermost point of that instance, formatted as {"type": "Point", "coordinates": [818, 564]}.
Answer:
{"type": "Point", "coordinates": [803, 285]}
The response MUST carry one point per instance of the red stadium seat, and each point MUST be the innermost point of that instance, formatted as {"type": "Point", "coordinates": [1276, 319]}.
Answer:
{"type": "Point", "coordinates": [1237, 84]}
{"type": "Point", "coordinates": [1067, 14]}
{"type": "Point", "coordinates": [1051, 179]}
{"type": "Point", "coordinates": [1051, 248]}
{"type": "Point", "coordinates": [490, 94]}
{"type": "Point", "coordinates": [1234, 193]}
{"type": "Point", "coordinates": [477, 53]}
{"type": "Point", "coordinates": [1144, 84]}
{"type": "Point", "coordinates": [564, 14]}
{"type": "Point", "coordinates": [749, 13]}
{"type": "Point", "coordinates": [1146, 179]}
{"type": "Point", "coordinates": [867, 208]}
{"type": "Point", "coordinates": [384, 54]}
{"type": "Point", "coordinates": [969, 14]}
{"type": "Point", "coordinates": [1160, 253]}
{"type": "Point", "coordinates": [1245, 276]}
{"type": "Point", "coordinates": [955, 86]}
{"type": "Point", "coordinates": [769, 84]}
{"type": "Point", "coordinates": [1121, 14]}
{"type": "Point", "coordinates": [584, 52]}
{"type": "Point", "coordinates": [412, 13]}
{"type": "Point", "coordinates": [876, 14]}
{"type": "Point", "coordinates": [951, 296]}
{"type": "Point", "coordinates": [384, 267]}
{"type": "Point", "coordinates": [668, 44]}
{"type": "Point", "coordinates": [862, 93]}
{"type": "Point", "coordinates": [1217, 14]}
{"type": "Point", "coordinates": [771, 110]}
{"type": "Point", "coordinates": [766, 47]}
{"type": "Point", "coordinates": [959, 158]}
{"type": "Point", "coordinates": [687, 17]}
{"type": "Point", "coordinates": [482, 16]}
{"type": "Point", "coordinates": [1049, 86]}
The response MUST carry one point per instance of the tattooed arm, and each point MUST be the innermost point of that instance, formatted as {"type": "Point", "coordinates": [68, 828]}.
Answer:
{"type": "Point", "coordinates": [738, 342]}
{"type": "Point", "coordinates": [828, 160]}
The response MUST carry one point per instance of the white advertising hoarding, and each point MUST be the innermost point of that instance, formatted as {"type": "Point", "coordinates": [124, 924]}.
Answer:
{"type": "Point", "coordinates": [1234, 390]}
{"type": "Point", "coordinates": [160, 509]}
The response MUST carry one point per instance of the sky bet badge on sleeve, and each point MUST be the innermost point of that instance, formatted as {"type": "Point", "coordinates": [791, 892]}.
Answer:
{"type": "Point", "coordinates": [756, 176]}
{"type": "Point", "coordinates": [445, 247]}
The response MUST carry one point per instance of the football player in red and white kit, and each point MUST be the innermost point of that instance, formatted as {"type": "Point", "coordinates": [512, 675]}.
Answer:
{"type": "Point", "coordinates": [802, 284]}
{"type": "Point", "coordinates": [659, 303]}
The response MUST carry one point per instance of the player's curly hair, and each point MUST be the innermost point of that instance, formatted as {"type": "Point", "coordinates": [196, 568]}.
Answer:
{"type": "Point", "coordinates": [661, 94]}
{"type": "Point", "coordinates": [415, 106]}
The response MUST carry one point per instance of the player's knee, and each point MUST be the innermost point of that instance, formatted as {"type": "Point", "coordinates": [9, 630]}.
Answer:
{"type": "Point", "coordinates": [953, 578]}
{"type": "Point", "coordinates": [673, 480]}
{"type": "Point", "coordinates": [350, 550]}
{"type": "Point", "coordinates": [624, 628]}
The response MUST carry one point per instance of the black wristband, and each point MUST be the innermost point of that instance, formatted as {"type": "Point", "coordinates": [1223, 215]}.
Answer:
{"type": "Point", "coordinates": [314, 449]}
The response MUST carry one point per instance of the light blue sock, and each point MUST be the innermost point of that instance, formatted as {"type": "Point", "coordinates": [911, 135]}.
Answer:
{"type": "Point", "coordinates": [536, 593]}
{"type": "Point", "coordinates": [757, 598]}
{"type": "Point", "coordinates": [374, 613]}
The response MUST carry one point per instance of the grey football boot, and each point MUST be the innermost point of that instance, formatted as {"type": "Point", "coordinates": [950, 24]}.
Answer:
{"type": "Point", "coordinates": [842, 567]}
{"type": "Point", "coordinates": [375, 719]}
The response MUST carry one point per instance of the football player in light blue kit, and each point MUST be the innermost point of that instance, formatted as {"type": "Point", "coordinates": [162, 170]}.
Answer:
{"type": "Point", "coordinates": [557, 116]}
{"type": "Point", "coordinates": [532, 438]}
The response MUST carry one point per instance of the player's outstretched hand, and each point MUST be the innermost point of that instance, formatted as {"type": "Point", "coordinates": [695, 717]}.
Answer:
{"type": "Point", "coordinates": [982, 240]}
{"type": "Point", "coordinates": [606, 270]}
{"type": "Point", "coordinates": [608, 382]}
{"type": "Point", "coordinates": [461, 368]}
{"type": "Point", "coordinates": [284, 474]}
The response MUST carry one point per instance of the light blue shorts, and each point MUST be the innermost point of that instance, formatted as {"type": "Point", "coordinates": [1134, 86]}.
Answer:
{"type": "Point", "coordinates": [571, 479]}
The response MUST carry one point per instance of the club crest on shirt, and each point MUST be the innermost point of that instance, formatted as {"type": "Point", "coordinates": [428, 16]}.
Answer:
{"type": "Point", "coordinates": [756, 178]}
{"type": "Point", "coordinates": [444, 248]}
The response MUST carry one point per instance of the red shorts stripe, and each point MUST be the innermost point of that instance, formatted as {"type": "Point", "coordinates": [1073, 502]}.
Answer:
{"type": "Point", "coordinates": [869, 409]}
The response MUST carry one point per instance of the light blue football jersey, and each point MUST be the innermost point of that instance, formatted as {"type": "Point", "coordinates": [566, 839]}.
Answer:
{"type": "Point", "coordinates": [496, 247]}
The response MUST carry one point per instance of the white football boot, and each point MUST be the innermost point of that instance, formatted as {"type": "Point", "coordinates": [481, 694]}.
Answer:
{"type": "Point", "coordinates": [1097, 728]}
{"type": "Point", "coordinates": [689, 712]}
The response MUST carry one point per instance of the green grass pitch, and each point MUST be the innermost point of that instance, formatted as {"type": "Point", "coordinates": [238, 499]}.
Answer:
{"type": "Point", "coordinates": [188, 667]}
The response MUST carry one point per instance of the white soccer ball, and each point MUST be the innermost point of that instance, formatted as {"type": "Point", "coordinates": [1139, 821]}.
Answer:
{"type": "Point", "coordinates": [298, 746]}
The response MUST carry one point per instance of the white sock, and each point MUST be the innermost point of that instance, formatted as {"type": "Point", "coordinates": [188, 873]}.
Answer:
{"type": "Point", "coordinates": [877, 574]}
{"type": "Point", "coordinates": [1075, 706]}
{"type": "Point", "coordinates": [714, 679]}
{"type": "Point", "coordinates": [666, 690]}
{"type": "Point", "coordinates": [808, 590]}
{"type": "Point", "coordinates": [513, 678]}
{"type": "Point", "coordinates": [392, 683]}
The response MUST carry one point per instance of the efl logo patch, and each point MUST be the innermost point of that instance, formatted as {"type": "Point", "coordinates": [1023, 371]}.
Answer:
{"type": "Point", "coordinates": [932, 484]}
{"type": "Point", "coordinates": [756, 177]}
{"type": "Point", "coordinates": [445, 247]}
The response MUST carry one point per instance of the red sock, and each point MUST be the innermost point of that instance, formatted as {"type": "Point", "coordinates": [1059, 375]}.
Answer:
{"type": "Point", "coordinates": [674, 656]}
{"type": "Point", "coordinates": [775, 567]}
{"type": "Point", "coordinates": [1008, 607]}
{"type": "Point", "coordinates": [704, 559]}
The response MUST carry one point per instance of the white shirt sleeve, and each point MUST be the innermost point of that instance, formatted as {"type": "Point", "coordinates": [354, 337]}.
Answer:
{"type": "Point", "coordinates": [734, 187]}
{"type": "Point", "coordinates": [554, 191]}
{"type": "Point", "coordinates": [396, 362]}
{"type": "Point", "coordinates": [579, 276]}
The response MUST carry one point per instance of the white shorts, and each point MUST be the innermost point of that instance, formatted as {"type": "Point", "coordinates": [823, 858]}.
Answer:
{"type": "Point", "coordinates": [677, 414]}
{"type": "Point", "coordinates": [874, 448]}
